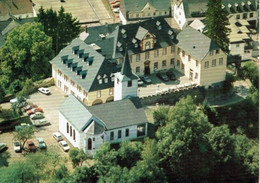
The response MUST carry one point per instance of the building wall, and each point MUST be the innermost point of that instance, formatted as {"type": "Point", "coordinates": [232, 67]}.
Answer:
{"type": "Point", "coordinates": [147, 13]}
{"type": "Point", "coordinates": [153, 59]}
{"type": "Point", "coordinates": [123, 19]}
{"type": "Point", "coordinates": [122, 90]}
{"type": "Point", "coordinates": [237, 48]}
{"type": "Point", "coordinates": [70, 87]}
{"type": "Point", "coordinates": [213, 74]}
{"type": "Point", "coordinates": [179, 15]}
{"type": "Point", "coordinates": [78, 141]}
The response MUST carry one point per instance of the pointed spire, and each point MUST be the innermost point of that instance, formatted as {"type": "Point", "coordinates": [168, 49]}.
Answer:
{"type": "Point", "coordinates": [126, 67]}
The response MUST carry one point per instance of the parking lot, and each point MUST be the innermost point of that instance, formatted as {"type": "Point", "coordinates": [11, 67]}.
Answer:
{"type": "Point", "coordinates": [158, 85]}
{"type": "Point", "coordinates": [50, 105]}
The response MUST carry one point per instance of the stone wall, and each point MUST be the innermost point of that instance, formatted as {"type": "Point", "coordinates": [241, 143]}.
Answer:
{"type": "Point", "coordinates": [171, 97]}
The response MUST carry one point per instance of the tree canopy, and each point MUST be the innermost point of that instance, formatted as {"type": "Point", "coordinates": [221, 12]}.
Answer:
{"type": "Point", "coordinates": [216, 24]}
{"type": "Point", "coordinates": [60, 26]}
{"type": "Point", "coordinates": [25, 54]}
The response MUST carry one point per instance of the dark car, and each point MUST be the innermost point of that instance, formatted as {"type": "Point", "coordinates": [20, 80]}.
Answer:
{"type": "Point", "coordinates": [162, 76]}
{"type": "Point", "coordinates": [146, 79]}
{"type": "Point", "coordinates": [171, 75]}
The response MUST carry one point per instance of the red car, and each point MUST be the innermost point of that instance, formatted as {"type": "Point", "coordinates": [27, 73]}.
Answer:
{"type": "Point", "coordinates": [34, 110]}
{"type": "Point", "coordinates": [31, 146]}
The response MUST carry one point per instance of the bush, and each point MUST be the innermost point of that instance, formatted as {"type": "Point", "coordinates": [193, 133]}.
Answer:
{"type": "Point", "coordinates": [28, 88]}
{"type": "Point", "coordinates": [228, 82]}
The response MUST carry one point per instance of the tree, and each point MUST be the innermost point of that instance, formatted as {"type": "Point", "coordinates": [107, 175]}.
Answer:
{"type": "Point", "coordinates": [216, 24]}
{"type": "Point", "coordinates": [251, 71]}
{"type": "Point", "coordinates": [84, 175]}
{"type": "Point", "coordinates": [183, 147]}
{"type": "Point", "coordinates": [61, 175]}
{"type": "Point", "coordinates": [61, 27]}
{"type": "Point", "coordinates": [77, 156]}
{"type": "Point", "coordinates": [24, 133]}
{"type": "Point", "coordinates": [25, 54]}
{"type": "Point", "coordinates": [160, 115]}
{"type": "Point", "coordinates": [4, 156]}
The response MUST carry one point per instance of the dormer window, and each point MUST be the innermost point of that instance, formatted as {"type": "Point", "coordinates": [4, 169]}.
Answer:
{"type": "Point", "coordinates": [121, 48]}
{"type": "Point", "coordinates": [159, 26]}
{"type": "Point", "coordinates": [75, 50]}
{"type": "Point", "coordinates": [99, 79]}
{"type": "Point", "coordinates": [147, 45]}
{"type": "Point", "coordinates": [105, 78]}
{"type": "Point", "coordinates": [80, 53]}
{"type": "Point", "coordinates": [170, 32]}
{"type": "Point", "coordinates": [136, 45]}
{"type": "Point", "coordinates": [112, 76]}
{"type": "Point", "coordinates": [125, 35]}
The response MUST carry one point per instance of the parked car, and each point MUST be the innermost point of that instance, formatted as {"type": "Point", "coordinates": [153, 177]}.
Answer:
{"type": "Point", "coordinates": [45, 91]}
{"type": "Point", "coordinates": [14, 100]}
{"type": "Point", "coordinates": [37, 115]}
{"type": "Point", "coordinates": [57, 136]}
{"type": "Point", "coordinates": [34, 110]}
{"type": "Point", "coordinates": [31, 146]}
{"type": "Point", "coordinates": [140, 82]}
{"type": "Point", "coordinates": [146, 79]}
{"type": "Point", "coordinates": [22, 125]}
{"type": "Point", "coordinates": [39, 122]}
{"type": "Point", "coordinates": [17, 146]}
{"type": "Point", "coordinates": [64, 145]}
{"type": "Point", "coordinates": [162, 76]}
{"type": "Point", "coordinates": [42, 144]}
{"type": "Point", "coordinates": [171, 75]}
{"type": "Point", "coordinates": [116, 10]}
{"type": "Point", "coordinates": [3, 146]}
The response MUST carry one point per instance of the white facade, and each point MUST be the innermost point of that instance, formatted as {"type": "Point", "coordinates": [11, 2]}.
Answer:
{"type": "Point", "coordinates": [122, 90]}
{"type": "Point", "coordinates": [91, 142]}
{"type": "Point", "coordinates": [179, 15]}
{"type": "Point", "coordinates": [67, 86]}
{"type": "Point", "coordinates": [123, 19]}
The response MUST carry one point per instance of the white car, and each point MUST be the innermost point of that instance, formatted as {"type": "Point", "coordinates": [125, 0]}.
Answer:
{"type": "Point", "coordinates": [64, 145]}
{"type": "Point", "coordinates": [140, 82]}
{"type": "Point", "coordinates": [37, 115]}
{"type": "Point", "coordinates": [45, 91]}
{"type": "Point", "coordinates": [57, 136]}
{"type": "Point", "coordinates": [17, 146]}
{"type": "Point", "coordinates": [116, 10]}
{"type": "Point", "coordinates": [39, 122]}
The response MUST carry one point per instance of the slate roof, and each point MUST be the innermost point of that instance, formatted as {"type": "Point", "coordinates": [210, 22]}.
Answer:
{"type": "Point", "coordinates": [198, 8]}
{"type": "Point", "coordinates": [138, 5]}
{"type": "Point", "coordinates": [89, 72]}
{"type": "Point", "coordinates": [195, 43]}
{"type": "Point", "coordinates": [123, 113]}
{"type": "Point", "coordinates": [110, 45]}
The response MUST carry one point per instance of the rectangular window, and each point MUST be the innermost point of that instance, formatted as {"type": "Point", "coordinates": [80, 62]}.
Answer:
{"type": "Point", "coordinates": [155, 65]}
{"type": "Point", "coordinates": [183, 53]}
{"type": "Point", "coordinates": [129, 83]}
{"type": "Point", "coordinates": [106, 80]}
{"type": "Point", "coordinates": [164, 63]}
{"type": "Point", "coordinates": [210, 53]}
{"type": "Point", "coordinates": [137, 69]}
{"type": "Point", "coordinates": [127, 132]}
{"type": "Point", "coordinates": [59, 73]}
{"type": "Point", "coordinates": [111, 135]}
{"type": "Point", "coordinates": [238, 16]}
{"type": "Point", "coordinates": [156, 53]}
{"type": "Point", "coordinates": [214, 63]}
{"type": "Point", "coordinates": [98, 94]}
{"type": "Point", "coordinates": [206, 65]}
{"type": "Point", "coordinates": [164, 51]}
{"type": "Point", "coordinates": [85, 93]}
{"type": "Point", "coordinates": [220, 62]}
{"type": "Point", "coordinates": [70, 131]}
{"type": "Point", "coordinates": [178, 63]}
{"type": "Point", "coordinates": [251, 15]}
{"type": "Point", "coordinates": [179, 50]}
{"type": "Point", "coordinates": [111, 91]}
{"type": "Point", "coordinates": [244, 15]}
{"type": "Point", "coordinates": [172, 49]}
{"type": "Point", "coordinates": [119, 135]}
{"type": "Point", "coordinates": [197, 63]}
{"type": "Point", "coordinates": [74, 135]}
{"type": "Point", "coordinates": [196, 75]}
{"type": "Point", "coordinates": [172, 61]}
{"type": "Point", "coordinates": [140, 130]}
{"type": "Point", "coordinates": [182, 66]}
{"type": "Point", "coordinates": [137, 57]}
{"type": "Point", "coordinates": [217, 51]}
{"type": "Point", "coordinates": [189, 57]}
{"type": "Point", "coordinates": [67, 127]}
{"type": "Point", "coordinates": [147, 55]}
{"type": "Point", "coordinates": [72, 83]}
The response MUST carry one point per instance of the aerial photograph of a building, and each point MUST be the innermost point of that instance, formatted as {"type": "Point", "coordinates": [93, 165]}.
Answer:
{"type": "Point", "coordinates": [129, 91]}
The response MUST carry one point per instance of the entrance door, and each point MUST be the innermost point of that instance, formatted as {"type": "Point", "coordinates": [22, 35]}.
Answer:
{"type": "Point", "coordinates": [147, 67]}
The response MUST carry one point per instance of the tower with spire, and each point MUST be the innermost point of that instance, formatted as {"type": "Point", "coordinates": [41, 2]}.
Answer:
{"type": "Point", "coordinates": [125, 83]}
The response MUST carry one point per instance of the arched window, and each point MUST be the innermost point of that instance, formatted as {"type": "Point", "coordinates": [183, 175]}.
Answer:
{"type": "Point", "coordinates": [147, 45]}
{"type": "Point", "coordinates": [89, 144]}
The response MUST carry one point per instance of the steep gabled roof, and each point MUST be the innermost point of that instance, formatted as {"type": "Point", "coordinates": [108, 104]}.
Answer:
{"type": "Point", "coordinates": [109, 45]}
{"type": "Point", "coordinates": [195, 43]}
{"type": "Point", "coordinates": [89, 71]}
{"type": "Point", "coordinates": [123, 113]}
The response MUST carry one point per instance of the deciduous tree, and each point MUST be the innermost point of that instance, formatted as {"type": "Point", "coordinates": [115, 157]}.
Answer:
{"type": "Point", "coordinates": [24, 133]}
